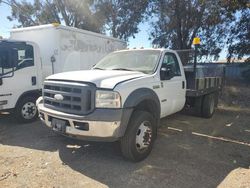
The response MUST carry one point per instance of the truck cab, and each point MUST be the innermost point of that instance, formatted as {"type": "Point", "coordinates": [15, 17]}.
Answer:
{"type": "Point", "coordinates": [121, 99]}
{"type": "Point", "coordinates": [20, 81]}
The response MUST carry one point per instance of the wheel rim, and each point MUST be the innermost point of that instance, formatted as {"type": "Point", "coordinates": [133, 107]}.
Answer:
{"type": "Point", "coordinates": [143, 136]}
{"type": "Point", "coordinates": [29, 110]}
{"type": "Point", "coordinates": [211, 109]}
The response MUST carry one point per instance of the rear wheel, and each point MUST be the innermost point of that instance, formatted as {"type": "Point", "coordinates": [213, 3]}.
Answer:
{"type": "Point", "coordinates": [26, 110]}
{"type": "Point", "coordinates": [138, 140]}
{"type": "Point", "coordinates": [208, 106]}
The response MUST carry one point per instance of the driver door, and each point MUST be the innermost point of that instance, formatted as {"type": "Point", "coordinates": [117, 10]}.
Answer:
{"type": "Point", "coordinates": [173, 90]}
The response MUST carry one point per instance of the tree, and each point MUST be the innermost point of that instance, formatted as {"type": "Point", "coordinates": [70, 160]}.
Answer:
{"type": "Point", "coordinates": [117, 17]}
{"type": "Point", "coordinates": [239, 40]}
{"type": "Point", "coordinates": [179, 21]}
{"type": "Point", "coordinates": [80, 14]}
{"type": "Point", "coordinates": [123, 17]}
{"type": "Point", "coordinates": [239, 43]}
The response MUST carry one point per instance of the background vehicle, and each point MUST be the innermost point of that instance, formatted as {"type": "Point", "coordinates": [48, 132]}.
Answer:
{"type": "Point", "coordinates": [124, 97]}
{"type": "Point", "coordinates": [33, 53]}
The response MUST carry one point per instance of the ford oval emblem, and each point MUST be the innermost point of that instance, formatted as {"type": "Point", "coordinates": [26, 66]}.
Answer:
{"type": "Point", "coordinates": [58, 97]}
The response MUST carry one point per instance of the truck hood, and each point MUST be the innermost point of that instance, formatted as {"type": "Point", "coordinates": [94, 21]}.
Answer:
{"type": "Point", "coordinates": [101, 78]}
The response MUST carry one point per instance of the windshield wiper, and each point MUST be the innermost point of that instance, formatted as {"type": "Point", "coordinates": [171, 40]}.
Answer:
{"type": "Point", "coordinates": [122, 69]}
{"type": "Point", "coordinates": [97, 68]}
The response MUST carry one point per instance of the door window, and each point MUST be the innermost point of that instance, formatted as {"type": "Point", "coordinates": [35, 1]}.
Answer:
{"type": "Point", "coordinates": [6, 63]}
{"type": "Point", "coordinates": [15, 56]}
{"type": "Point", "coordinates": [25, 57]}
{"type": "Point", "coordinates": [170, 61]}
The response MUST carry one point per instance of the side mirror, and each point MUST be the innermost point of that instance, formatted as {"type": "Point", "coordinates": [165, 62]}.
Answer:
{"type": "Point", "coordinates": [166, 73]}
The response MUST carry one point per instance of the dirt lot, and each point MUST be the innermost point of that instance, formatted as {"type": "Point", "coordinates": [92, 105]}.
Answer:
{"type": "Point", "coordinates": [189, 152]}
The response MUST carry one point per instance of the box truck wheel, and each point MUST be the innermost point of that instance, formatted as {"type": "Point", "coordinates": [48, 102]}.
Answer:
{"type": "Point", "coordinates": [138, 140]}
{"type": "Point", "coordinates": [26, 110]}
{"type": "Point", "coordinates": [208, 106]}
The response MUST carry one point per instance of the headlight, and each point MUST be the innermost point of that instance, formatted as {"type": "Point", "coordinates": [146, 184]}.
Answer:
{"type": "Point", "coordinates": [107, 99]}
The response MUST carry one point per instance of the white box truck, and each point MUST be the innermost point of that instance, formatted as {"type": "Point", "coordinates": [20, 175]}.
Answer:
{"type": "Point", "coordinates": [33, 53]}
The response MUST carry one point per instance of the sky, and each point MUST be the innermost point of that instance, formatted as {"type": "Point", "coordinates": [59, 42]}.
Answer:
{"type": "Point", "coordinates": [140, 39]}
{"type": "Point", "coordinates": [5, 24]}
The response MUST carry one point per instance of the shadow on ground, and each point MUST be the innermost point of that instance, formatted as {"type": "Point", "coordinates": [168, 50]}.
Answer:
{"type": "Point", "coordinates": [180, 157]}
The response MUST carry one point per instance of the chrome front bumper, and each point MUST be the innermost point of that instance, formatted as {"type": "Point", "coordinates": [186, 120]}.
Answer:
{"type": "Point", "coordinates": [97, 130]}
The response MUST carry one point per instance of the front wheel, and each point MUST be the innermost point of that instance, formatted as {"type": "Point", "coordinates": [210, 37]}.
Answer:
{"type": "Point", "coordinates": [26, 110]}
{"type": "Point", "coordinates": [138, 140]}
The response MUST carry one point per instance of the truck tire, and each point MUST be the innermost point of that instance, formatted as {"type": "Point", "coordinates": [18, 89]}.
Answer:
{"type": "Point", "coordinates": [208, 106]}
{"type": "Point", "coordinates": [139, 137]}
{"type": "Point", "coordinates": [26, 110]}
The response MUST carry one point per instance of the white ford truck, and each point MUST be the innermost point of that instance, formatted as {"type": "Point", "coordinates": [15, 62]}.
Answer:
{"type": "Point", "coordinates": [124, 96]}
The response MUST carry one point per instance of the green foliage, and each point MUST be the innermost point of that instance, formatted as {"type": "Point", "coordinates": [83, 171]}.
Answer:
{"type": "Point", "coordinates": [123, 17]}
{"type": "Point", "coordinates": [219, 23]}
{"type": "Point", "coordinates": [120, 18]}
{"type": "Point", "coordinates": [179, 21]}
{"type": "Point", "coordinates": [239, 42]}
{"type": "Point", "coordinates": [80, 14]}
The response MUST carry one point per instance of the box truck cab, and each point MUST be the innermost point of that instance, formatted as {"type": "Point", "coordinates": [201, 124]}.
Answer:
{"type": "Point", "coordinates": [33, 53]}
{"type": "Point", "coordinates": [20, 77]}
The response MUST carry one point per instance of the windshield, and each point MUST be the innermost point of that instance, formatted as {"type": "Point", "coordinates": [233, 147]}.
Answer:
{"type": "Point", "coordinates": [139, 60]}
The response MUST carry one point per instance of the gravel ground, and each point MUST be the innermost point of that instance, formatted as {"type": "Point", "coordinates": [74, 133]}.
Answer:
{"type": "Point", "coordinates": [189, 152]}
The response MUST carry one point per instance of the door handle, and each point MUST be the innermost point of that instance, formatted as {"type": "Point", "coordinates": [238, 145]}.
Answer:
{"type": "Point", "coordinates": [33, 80]}
{"type": "Point", "coordinates": [183, 85]}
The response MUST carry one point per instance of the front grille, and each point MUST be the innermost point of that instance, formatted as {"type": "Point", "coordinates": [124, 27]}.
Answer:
{"type": "Point", "coordinates": [77, 98]}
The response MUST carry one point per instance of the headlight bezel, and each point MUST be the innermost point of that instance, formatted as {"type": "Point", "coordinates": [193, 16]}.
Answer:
{"type": "Point", "coordinates": [108, 99]}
